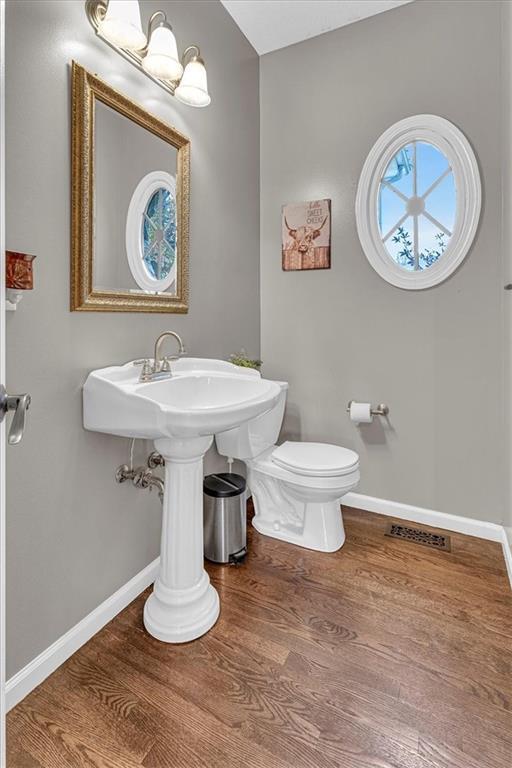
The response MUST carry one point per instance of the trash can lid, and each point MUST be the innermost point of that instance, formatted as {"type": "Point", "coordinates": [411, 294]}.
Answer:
{"type": "Point", "coordinates": [223, 485]}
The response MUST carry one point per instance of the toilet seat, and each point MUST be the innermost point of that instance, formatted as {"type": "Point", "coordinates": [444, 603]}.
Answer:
{"type": "Point", "coordinates": [315, 459]}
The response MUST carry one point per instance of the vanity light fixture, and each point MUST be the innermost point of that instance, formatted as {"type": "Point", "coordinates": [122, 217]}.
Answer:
{"type": "Point", "coordinates": [161, 59]}
{"type": "Point", "coordinates": [121, 25]}
{"type": "Point", "coordinates": [118, 23]}
{"type": "Point", "coordinates": [193, 87]}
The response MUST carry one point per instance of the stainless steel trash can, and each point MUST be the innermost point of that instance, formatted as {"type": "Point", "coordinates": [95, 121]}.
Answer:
{"type": "Point", "coordinates": [225, 522]}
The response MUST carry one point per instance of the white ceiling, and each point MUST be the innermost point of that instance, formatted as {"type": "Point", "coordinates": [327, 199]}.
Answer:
{"type": "Point", "coordinates": [273, 24]}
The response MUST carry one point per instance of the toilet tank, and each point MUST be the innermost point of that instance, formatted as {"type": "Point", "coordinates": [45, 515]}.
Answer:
{"type": "Point", "coordinates": [253, 437]}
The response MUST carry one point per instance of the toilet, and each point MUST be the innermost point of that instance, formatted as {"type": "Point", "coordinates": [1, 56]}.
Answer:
{"type": "Point", "coordinates": [297, 486]}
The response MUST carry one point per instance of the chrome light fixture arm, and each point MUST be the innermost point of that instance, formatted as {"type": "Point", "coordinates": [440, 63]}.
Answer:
{"type": "Point", "coordinates": [196, 56]}
{"type": "Point", "coordinates": [188, 50]}
{"type": "Point", "coordinates": [151, 24]}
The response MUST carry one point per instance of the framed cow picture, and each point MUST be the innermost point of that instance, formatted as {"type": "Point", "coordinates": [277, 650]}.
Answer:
{"type": "Point", "coordinates": [306, 235]}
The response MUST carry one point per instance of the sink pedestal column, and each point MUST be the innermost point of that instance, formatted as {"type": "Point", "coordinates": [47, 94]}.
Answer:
{"type": "Point", "coordinates": [183, 605]}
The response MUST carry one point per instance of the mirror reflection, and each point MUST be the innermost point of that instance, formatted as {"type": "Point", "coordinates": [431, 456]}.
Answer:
{"type": "Point", "coordinates": [134, 220]}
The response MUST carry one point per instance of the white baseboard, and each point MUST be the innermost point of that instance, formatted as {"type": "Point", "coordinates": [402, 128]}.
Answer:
{"type": "Point", "coordinates": [28, 678]}
{"type": "Point", "coordinates": [466, 525]}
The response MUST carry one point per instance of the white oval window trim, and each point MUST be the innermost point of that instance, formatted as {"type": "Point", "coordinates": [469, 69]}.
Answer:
{"type": "Point", "coordinates": [143, 193]}
{"type": "Point", "coordinates": [446, 137]}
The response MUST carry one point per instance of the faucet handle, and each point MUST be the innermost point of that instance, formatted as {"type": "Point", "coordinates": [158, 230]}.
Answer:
{"type": "Point", "coordinates": [166, 362]}
{"type": "Point", "coordinates": [147, 371]}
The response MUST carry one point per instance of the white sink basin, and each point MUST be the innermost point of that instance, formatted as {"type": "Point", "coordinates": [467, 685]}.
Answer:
{"type": "Point", "coordinates": [181, 414]}
{"type": "Point", "coordinates": [203, 397]}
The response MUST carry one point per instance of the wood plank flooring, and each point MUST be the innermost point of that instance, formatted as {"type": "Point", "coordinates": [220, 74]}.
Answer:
{"type": "Point", "coordinates": [385, 654]}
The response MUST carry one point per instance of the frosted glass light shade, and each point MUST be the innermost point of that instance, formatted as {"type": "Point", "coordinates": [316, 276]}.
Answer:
{"type": "Point", "coordinates": [193, 88]}
{"type": "Point", "coordinates": [162, 59]}
{"type": "Point", "coordinates": [122, 24]}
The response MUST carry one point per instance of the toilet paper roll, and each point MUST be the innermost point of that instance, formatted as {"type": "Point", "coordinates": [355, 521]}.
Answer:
{"type": "Point", "coordinates": [360, 413]}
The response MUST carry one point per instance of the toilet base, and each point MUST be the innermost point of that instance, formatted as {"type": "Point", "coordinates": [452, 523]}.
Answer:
{"type": "Point", "coordinates": [304, 510]}
{"type": "Point", "coordinates": [322, 527]}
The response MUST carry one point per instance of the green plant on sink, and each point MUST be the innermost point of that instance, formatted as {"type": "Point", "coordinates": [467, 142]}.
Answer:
{"type": "Point", "coordinates": [243, 361]}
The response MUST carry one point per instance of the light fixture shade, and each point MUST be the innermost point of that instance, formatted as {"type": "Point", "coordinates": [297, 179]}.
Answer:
{"type": "Point", "coordinates": [193, 88]}
{"type": "Point", "coordinates": [122, 25]}
{"type": "Point", "coordinates": [162, 59]}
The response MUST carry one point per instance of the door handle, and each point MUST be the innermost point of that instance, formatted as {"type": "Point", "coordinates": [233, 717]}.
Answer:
{"type": "Point", "coordinates": [19, 404]}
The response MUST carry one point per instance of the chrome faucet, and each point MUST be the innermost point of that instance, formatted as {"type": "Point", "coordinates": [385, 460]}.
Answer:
{"type": "Point", "coordinates": [160, 363]}
{"type": "Point", "coordinates": [161, 367]}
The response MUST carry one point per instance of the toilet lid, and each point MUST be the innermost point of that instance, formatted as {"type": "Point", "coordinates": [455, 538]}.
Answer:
{"type": "Point", "coordinates": [317, 459]}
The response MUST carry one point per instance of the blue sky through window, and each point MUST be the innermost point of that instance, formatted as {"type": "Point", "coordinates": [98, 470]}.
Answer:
{"type": "Point", "coordinates": [416, 231]}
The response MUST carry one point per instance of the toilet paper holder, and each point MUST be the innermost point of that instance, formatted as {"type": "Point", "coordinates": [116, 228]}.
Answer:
{"type": "Point", "coordinates": [375, 410]}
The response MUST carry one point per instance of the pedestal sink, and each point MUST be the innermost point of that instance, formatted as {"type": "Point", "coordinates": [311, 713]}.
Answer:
{"type": "Point", "coordinates": [181, 414]}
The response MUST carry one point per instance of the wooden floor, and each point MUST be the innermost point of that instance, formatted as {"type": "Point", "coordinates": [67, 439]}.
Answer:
{"type": "Point", "coordinates": [383, 654]}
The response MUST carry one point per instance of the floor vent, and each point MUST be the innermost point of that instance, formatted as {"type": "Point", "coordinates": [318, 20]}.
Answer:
{"type": "Point", "coordinates": [417, 536]}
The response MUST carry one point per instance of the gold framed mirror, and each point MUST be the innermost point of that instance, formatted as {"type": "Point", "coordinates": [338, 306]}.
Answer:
{"type": "Point", "coordinates": [129, 204]}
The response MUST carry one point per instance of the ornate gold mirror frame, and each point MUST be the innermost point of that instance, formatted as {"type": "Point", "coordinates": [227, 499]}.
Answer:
{"type": "Point", "coordinates": [86, 89]}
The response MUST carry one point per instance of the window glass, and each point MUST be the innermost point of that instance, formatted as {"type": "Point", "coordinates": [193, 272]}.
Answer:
{"type": "Point", "coordinates": [159, 234]}
{"type": "Point", "coordinates": [417, 206]}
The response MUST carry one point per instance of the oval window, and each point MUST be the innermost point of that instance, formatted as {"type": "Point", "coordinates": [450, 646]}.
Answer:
{"type": "Point", "coordinates": [151, 233]}
{"type": "Point", "coordinates": [418, 202]}
{"type": "Point", "coordinates": [159, 234]}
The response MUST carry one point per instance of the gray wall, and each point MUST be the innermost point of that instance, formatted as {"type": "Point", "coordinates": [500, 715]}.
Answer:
{"type": "Point", "coordinates": [435, 356]}
{"type": "Point", "coordinates": [74, 536]}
